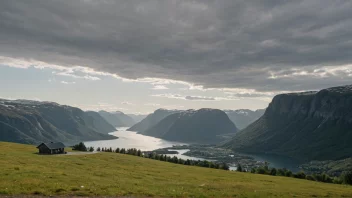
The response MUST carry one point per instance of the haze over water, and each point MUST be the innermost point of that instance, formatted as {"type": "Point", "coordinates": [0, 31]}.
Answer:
{"type": "Point", "coordinates": [130, 139]}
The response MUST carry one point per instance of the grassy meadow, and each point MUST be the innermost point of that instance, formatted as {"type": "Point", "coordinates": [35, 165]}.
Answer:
{"type": "Point", "coordinates": [109, 174]}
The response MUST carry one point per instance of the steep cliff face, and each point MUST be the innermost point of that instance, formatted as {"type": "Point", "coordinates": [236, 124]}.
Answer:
{"type": "Point", "coordinates": [151, 120]}
{"type": "Point", "coordinates": [306, 126]}
{"type": "Point", "coordinates": [195, 126]}
{"type": "Point", "coordinates": [33, 122]}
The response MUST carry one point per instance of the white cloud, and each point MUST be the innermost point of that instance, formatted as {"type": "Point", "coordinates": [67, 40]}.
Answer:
{"type": "Point", "coordinates": [160, 87]}
{"type": "Point", "coordinates": [152, 104]}
{"type": "Point", "coordinates": [193, 98]}
{"type": "Point", "coordinates": [67, 83]}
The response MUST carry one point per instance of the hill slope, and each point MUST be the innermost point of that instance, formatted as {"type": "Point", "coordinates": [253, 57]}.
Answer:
{"type": "Point", "coordinates": [244, 117]}
{"type": "Point", "coordinates": [196, 126]}
{"type": "Point", "coordinates": [34, 122]}
{"type": "Point", "coordinates": [151, 120]}
{"type": "Point", "coordinates": [99, 122]}
{"type": "Point", "coordinates": [306, 126]}
{"type": "Point", "coordinates": [125, 175]}
{"type": "Point", "coordinates": [117, 118]}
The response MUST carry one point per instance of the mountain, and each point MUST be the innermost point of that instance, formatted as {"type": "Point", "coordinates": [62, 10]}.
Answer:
{"type": "Point", "coordinates": [117, 118]}
{"type": "Point", "coordinates": [99, 122]}
{"type": "Point", "coordinates": [306, 126]}
{"type": "Point", "coordinates": [152, 119]}
{"type": "Point", "coordinates": [137, 117]}
{"type": "Point", "coordinates": [32, 122]}
{"type": "Point", "coordinates": [194, 126]}
{"type": "Point", "coordinates": [244, 117]}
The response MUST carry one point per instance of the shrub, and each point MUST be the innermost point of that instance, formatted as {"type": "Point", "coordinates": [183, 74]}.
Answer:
{"type": "Point", "coordinates": [299, 175]}
{"type": "Point", "coordinates": [310, 177]}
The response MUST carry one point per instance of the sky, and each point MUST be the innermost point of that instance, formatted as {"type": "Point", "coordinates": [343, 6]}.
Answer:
{"type": "Point", "coordinates": [136, 56]}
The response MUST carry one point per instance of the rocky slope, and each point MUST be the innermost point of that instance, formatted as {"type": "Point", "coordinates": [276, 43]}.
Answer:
{"type": "Point", "coordinates": [33, 122]}
{"type": "Point", "coordinates": [194, 126]}
{"type": "Point", "coordinates": [244, 117]}
{"type": "Point", "coordinates": [117, 118]}
{"type": "Point", "coordinates": [152, 119]}
{"type": "Point", "coordinates": [306, 126]}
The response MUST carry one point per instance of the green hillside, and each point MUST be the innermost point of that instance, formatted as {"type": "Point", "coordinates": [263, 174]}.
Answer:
{"type": "Point", "coordinates": [25, 173]}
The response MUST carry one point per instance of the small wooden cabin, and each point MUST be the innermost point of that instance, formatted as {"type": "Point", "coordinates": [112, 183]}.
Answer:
{"type": "Point", "coordinates": [51, 148]}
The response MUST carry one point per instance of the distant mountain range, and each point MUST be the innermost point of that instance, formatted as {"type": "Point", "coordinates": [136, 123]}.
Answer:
{"type": "Point", "coordinates": [32, 122]}
{"type": "Point", "coordinates": [306, 126]}
{"type": "Point", "coordinates": [117, 118]}
{"type": "Point", "coordinates": [152, 119]}
{"type": "Point", "coordinates": [194, 126]}
{"type": "Point", "coordinates": [137, 117]}
{"type": "Point", "coordinates": [244, 117]}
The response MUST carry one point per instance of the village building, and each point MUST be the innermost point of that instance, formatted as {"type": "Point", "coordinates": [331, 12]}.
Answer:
{"type": "Point", "coordinates": [51, 148]}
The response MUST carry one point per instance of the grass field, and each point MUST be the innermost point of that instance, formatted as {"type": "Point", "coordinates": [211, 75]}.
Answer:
{"type": "Point", "coordinates": [25, 173]}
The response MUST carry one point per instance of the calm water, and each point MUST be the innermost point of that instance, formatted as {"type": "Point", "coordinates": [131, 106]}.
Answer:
{"type": "Point", "coordinates": [129, 139]}
{"type": "Point", "coordinates": [277, 161]}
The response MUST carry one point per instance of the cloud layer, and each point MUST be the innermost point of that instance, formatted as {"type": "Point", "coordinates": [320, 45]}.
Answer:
{"type": "Point", "coordinates": [266, 46]}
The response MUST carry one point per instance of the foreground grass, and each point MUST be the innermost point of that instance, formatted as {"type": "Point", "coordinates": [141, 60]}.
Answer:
{"type": "Point", "coordinates": [24, 173]}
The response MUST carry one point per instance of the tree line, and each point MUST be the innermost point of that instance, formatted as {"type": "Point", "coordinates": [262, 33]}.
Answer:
{"type": "Point", "coordinates": [344, 178]}
{"type": "Point", "coordinates": [82, 147]}
{"type": "Point", "coordinates": [165, 158]}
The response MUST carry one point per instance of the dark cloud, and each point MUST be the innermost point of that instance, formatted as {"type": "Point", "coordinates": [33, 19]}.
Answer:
{"type": "Point", "coordinates": [268, 45]}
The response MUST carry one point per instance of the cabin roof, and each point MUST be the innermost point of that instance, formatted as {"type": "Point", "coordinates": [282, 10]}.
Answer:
{"type": "Point", "coordinates": [53, 145]}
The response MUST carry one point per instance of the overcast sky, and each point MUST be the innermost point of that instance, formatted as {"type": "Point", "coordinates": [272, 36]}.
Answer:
{"type": "Point", "coordinates": [140, 55]}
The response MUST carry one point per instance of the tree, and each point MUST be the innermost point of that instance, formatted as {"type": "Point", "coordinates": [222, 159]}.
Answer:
{"type": "Point", "coordinates": [98, 149]}
{"type": "Point", "coordinates": [280, 172]}
{"type": "Point", "coordinates": [91, 149]}
{"type": "Point", "coordinates": [117, 150]}
{"type": "Point", "coordinates": [239, 168]}
{"type": "Point", "coordinates": [273, 171]}
{"type": "Point", "coordinates": [288, 173]}
{"type": "Point", "coordinates": [347, 178]}
{"type": "Point", "coordinates": [224, 166]}
{"type": "Point", "coordinates": [260, 170]}
{"type": "Point", "coordinates": [187, 162]}
{"type": "Point", "coordinates": [266, 167]}
{"type": "Point", "coordinates": [253, 170]}
{"type": "Point", "coordinates": [80, 147]}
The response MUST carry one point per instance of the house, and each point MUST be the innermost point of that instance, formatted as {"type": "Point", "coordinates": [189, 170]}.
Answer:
{"type": "Point", "coordinates": [51, 148]}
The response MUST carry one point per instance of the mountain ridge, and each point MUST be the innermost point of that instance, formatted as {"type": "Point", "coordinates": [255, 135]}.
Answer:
{"type": "Point", "coordinates": [314, 125]}
{"type": "Point", "coordinates": [151, 120]}
{"type": "Point", "coordinates": [117, 118]}
{"type": "Point", "coordinates": [193, 126]}
{"type": "Point", "coordinates": [32, 122]}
